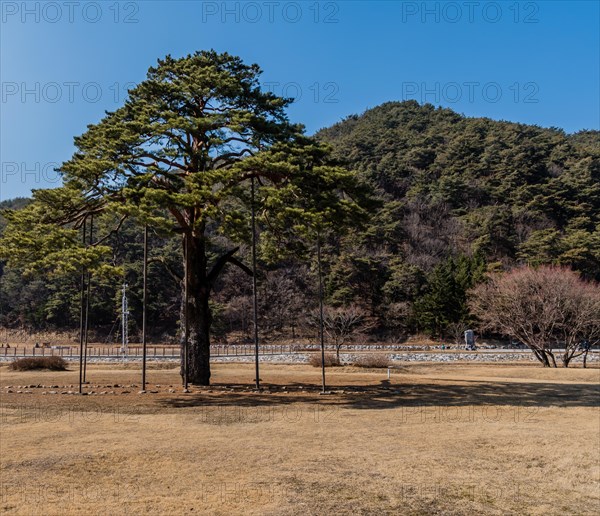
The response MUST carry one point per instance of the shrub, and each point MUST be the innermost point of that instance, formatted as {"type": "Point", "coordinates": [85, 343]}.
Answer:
{"type": "Point", "coordinates": [330, 360]}
{"type": "Point", "coordinates": [372, 360]}
{"type": "Point", "coordinates": [29, 364]}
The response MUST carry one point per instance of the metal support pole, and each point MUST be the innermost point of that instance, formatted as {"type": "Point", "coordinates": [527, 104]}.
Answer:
{"type": "Point", "coordinates": [254, 290]}
{"type": "Point", "coordinates": [186, 327]}
{"type": "Point", "coordinates": [87, 308]}
{"type": "Point", "coordinates": [124, 323]}
{"type": "Point", "coordinates": [321, 312]}
{"type": "Point", "coordinates": [81, 316]}
{"type": "Point", "coordinates": [144, 301]}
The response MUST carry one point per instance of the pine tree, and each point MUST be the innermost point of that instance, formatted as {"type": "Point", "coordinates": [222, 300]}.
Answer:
{"type": "Point", "coordinates": [179, 156]}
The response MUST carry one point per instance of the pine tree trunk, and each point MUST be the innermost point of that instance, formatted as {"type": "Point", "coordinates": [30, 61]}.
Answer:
{"type": "Point", "coordinates": [199, 317]}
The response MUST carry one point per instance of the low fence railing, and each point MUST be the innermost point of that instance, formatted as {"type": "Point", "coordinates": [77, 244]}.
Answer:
{"type": "Point", "coordinates": [225, 350]}
{"type": "Point", "coordinates": [136, 351]}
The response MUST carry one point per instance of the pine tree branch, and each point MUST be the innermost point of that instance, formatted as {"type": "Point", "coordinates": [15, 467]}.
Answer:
{"type": "Point", "coordinates": [222, 261]}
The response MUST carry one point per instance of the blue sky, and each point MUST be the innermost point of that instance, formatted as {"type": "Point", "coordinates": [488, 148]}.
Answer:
{"type": "Point", "coordinates": [64, 63]}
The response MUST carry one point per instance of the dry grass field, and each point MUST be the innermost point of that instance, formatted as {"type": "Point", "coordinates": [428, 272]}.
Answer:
{"type": "Point", "coordinates": [435, 439]}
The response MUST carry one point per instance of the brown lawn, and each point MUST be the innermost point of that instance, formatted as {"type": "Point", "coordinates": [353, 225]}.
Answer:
{"type": "Point", "coordinates": [435, 439]}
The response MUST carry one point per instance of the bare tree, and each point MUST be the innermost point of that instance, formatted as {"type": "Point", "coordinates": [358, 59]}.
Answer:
{"type": "Point", "coordinates": [431, 232]}
{"type": "Point", "coordinates": [342, 323]}
{"type": "Point", "coordinates": [457, 330]}
{"type": "Point", "coordinates": [544, 308]}
{"type": "Point", "coordinates": [282, 301]}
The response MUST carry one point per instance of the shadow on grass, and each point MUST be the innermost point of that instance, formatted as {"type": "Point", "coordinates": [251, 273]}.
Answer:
{"type": "Point", "coordinates": [386, 396]}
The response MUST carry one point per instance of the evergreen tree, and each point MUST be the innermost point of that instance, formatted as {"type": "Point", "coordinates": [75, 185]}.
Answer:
{"type": "Point", "coordinates": [179, 156]}
{"type": "Point", "coordinates": [445, 300]}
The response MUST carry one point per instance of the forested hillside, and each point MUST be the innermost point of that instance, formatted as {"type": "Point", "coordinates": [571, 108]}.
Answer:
{"type": "Point", "coordinates": [509, 191]}
{"type": "Point", "coordinates": [461, 195]}
{"type": "Point", "coordinates": [458, 197]}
